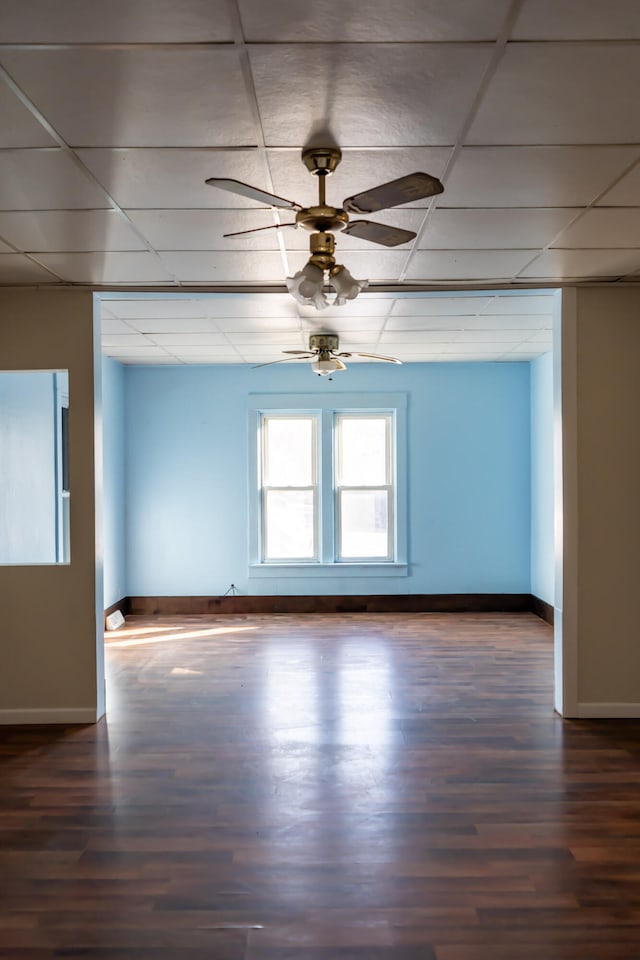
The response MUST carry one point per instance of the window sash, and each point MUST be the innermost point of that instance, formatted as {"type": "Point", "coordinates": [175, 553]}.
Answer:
{"type": "Point", "coordinates": [265, 489]}
{"type": "Point", "coordinates": [388, 555]}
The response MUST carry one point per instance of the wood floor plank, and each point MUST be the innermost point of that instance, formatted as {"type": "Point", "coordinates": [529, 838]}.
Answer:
{"type": "Point", "coordinates": [334, 787]}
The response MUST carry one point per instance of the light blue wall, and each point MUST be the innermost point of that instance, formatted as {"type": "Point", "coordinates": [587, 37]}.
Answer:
{"type": "Point", "coordinates": [542, 515]}
{"type": "Point", "coordinates": [186, 488]}
{"type": "Point", "coordinates": [114, 481]}
{"type": "Point", "coordinates": [28, 490]}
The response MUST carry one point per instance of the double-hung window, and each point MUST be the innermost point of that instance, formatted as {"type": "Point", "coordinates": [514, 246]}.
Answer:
{"type": "Point", "coordinates": [327, 483]}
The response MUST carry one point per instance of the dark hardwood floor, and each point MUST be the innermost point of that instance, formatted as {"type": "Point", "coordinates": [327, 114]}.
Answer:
{"type": "Point", "coordinates": [376, 787]}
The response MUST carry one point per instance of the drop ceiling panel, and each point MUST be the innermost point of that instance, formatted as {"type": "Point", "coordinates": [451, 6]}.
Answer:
{"type": "Point", "coordinates": [130, 339]}
{"type": "Point", "coordinates": [494, 229]}
{"type": "Point", "coordinates": [185, 326]}
{"type": "Point", "coordinates": [76, 230]}
{"type": "Point", "coordinates": [189, 339]}
{"type": "Point", "coordinates": [468, 264]}
{"type": "Point", "coordinates": [515, 306]}
{"type": "Point", "coordinates": [351, 325]}
{"type": "Point", "coordinates": [603, 227]}
{"type": "Point", "coordinates": [426, 323]}
{"type": "Point", "coordinates": [119, 21]}
{"type": "Point", "coordinates": [204, 229]}
{"type": "Point", "coordinates": [106, 267]}
{"type": "Point", "coordinates": [19, 128]}
{"type": "Point", "coordinates": [530, 77]}
{"type": "Point", "coordinates": [624, 193]}
{"type": "Point", "coordinates": [225, 267]}
{"type": "Point", "coordinates": [113, 326]}
{"type": "Point", "coordinates": [15, 268]}
{"type": "Point", "coordinates": [45, 180]}
{"type": "Point", "coordinates": [272, 340]}
{"type": "Point", "coordinates": [265, 324]}
{"type": "Point", "coordinates": [340, 21]}
{"type": "Point", "coordinates": [151, 308]}
{"type": "Point", "coordinates": [367, 305]}
{"type": "Point", "coordinates": [578, 20]}
{"type": "Point", "coordinates": [362, 94]}
{"type": "Point", "coordinates": [138, 97]}
{"type": "Point", "coordinates": [5, 248]}
{"type": "Point", "coordinates": [559, 264]}
{"type": "Point", "coordinates": [543, 176]}
{"type": "Point", "coordinates": [440, 306]}
{"type": "Point", "coordinates": [157, 178]}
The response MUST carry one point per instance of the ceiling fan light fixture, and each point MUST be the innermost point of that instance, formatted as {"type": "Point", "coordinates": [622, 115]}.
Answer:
{"type": "Point", "coordinates": [323, 366]}
{"type": "Point", "coordinates": [346, 286]}
{"type": "Point", "coordinates": [307, 286]}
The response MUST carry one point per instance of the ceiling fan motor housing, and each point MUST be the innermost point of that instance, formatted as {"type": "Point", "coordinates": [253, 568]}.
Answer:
{"type": "Point", "coordinates": [323, 341]}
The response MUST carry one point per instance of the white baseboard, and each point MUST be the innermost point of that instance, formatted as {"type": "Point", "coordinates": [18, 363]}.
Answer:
{"type": "Point", "coordinates": [608, 711]}
{"type": "Point", "coordinates": [46, 715]}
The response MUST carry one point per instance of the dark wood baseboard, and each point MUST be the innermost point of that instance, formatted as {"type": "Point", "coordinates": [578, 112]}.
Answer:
{"type": "Point", "coordinates": [397, 603]}
{"type": "Point", "coordinates": [542, 609]}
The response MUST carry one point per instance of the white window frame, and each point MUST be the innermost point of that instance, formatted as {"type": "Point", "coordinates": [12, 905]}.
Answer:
{"type": "Point", "coordinates": [326, 406]}
{"type": "Point", "coordinates": [314, 487]}
{"type": "Point", "coordinates": [388, 487]}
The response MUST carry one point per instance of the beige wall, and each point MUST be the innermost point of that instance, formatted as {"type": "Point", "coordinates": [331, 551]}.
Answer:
{"type": "Point", "coordinates": [51, 666]}
{"type": "Point", "coordinates": [602, 554]}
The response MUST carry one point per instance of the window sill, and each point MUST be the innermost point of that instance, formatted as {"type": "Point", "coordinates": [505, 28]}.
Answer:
{"type": "Point", "coordinates": [337, 570]}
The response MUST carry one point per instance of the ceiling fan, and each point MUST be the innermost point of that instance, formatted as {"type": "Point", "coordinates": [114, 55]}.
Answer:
{"type": "Point", "coordinates": [323, 221]}
{"type": "Point", "coordinates": [323, 350]}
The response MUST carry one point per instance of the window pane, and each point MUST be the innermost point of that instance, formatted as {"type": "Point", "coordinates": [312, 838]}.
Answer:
{"type": "Point", "coordinates": [288, 446]}
{"type": "Point", "coordinates": [364, 523]}
{"type": "Point", "coordinates": [362, 451]}
{"type": "Point", "coordinates": [288, 525]}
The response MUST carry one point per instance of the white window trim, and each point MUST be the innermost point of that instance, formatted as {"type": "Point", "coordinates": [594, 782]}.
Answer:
{"type": "Point", "coordinates": [328, 404]}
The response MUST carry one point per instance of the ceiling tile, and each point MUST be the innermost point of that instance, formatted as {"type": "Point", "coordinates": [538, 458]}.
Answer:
{"type": "Point", "coordinates": [166, 325]}
{"type": "Point", "coordinates": [493, 229]}
{"type": "Point", "coordinates": [467, 264]}
{"type": "Point", "coordinates": [165, 306]}
{"type": "Point", "coordinates": [422, 337]}
{"type": "Point", "coordinates": [19, 128]}
{"type": "Point", "coordinates": [534, 176]}
{"type": "Point", "coordinates": [532, 76]}
{"type": "Point", "coordinates": [45, 180]}
{"type": "Point", "coordinates": [602, 227]}
{"type": "Point", "coordinates": [440, 306]}
{"type": "Point", "coordinates": [366, 306]}
{"type": "Point", "coordinates": [342, 21]}
{"type": "Point", "coordinates": [193, 350]}
{"type": "Point", "coordinates": [585, 264]}
{"type": "Point", "coordinates": [578, 20]}
{"type": "Point", "coordinates": [358, 170]}
{"type": "Point", "coordinates": [361, 93]}
{"type": "Point", "coordinates": [137, 360]}
{"type": "Point", "coordinates": [108, 97]}
{"type": "Point", "coordinates": [181, 339]}
{"type": "Point", "coordinates": [173, 178]}
{"type": "Point", "coordinates": [5, 248]}
{"type": "Point", "coordinates": [255, 306]}
{"type": "Point", "coordinates": [425, 323]}
{"type": "Point", "coordinates": [15, 268]}
{"type": "Point", "coordinates": [275, 324]}
{"type": "Point", "coordinates": [331, 320]}
{"type": "Point", "coordinates": [208, 359]}
{"type": "Point", "coordinates": [514, 322]}
{"type": "Point", "coordinates": [146, 350]}
{"type": "Point", "coordinates": [76, 230]}
{"type": "Point", "coordinates": [129, 339]}
{"type": "Point", "coordinates": [225, 267]}
{"type": "Point", "coordinates": [119, 21]}
{"type": "Point", "coordinates": [514, 304]}
{"type": "Point", "coordinates": [272, 340]}
{"type": "Point", "coordinates": [111, 325]}
{"type": "Point", "coordinates": [626, 192]}
{"type": "Point", "coordinates": [106, 267]}
{"type": "Point", "coordinates": [204, 229]}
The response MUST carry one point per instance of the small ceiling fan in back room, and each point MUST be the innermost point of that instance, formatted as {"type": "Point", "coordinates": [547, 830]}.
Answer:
{"type": "Point", "coordinates": [324, 352]}
{"type": "Point", "coordinates": [323, 221]}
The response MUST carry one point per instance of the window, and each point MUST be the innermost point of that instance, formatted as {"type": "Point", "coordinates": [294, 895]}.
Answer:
{"type": "Point", "coordinates": [324, 479]}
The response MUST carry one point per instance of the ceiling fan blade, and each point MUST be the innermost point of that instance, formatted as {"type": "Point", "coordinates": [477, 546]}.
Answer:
{"type": "Point", "coordinates": [284, 360]}
{"type": "Point", "coordinates": [376, 356]}
{"type": "Point", "coordinates": [415, 186]}
{"type": "Point", "coordinates": [301, 353]}
{"type": "Point", "coordinates": [272, 226]}
{"type": "Point", "coordinates": [378, 233]}
{"type": "Point", "coordinates": [252, 193]}
{"type": "Point", "coordinates": [340, 364]}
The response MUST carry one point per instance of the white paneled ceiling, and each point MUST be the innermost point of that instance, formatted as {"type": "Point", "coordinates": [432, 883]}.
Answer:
{"type": "Point", "coordinates": [113, 115]}
{"type": "Point", "coordinates": [256, 327]}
